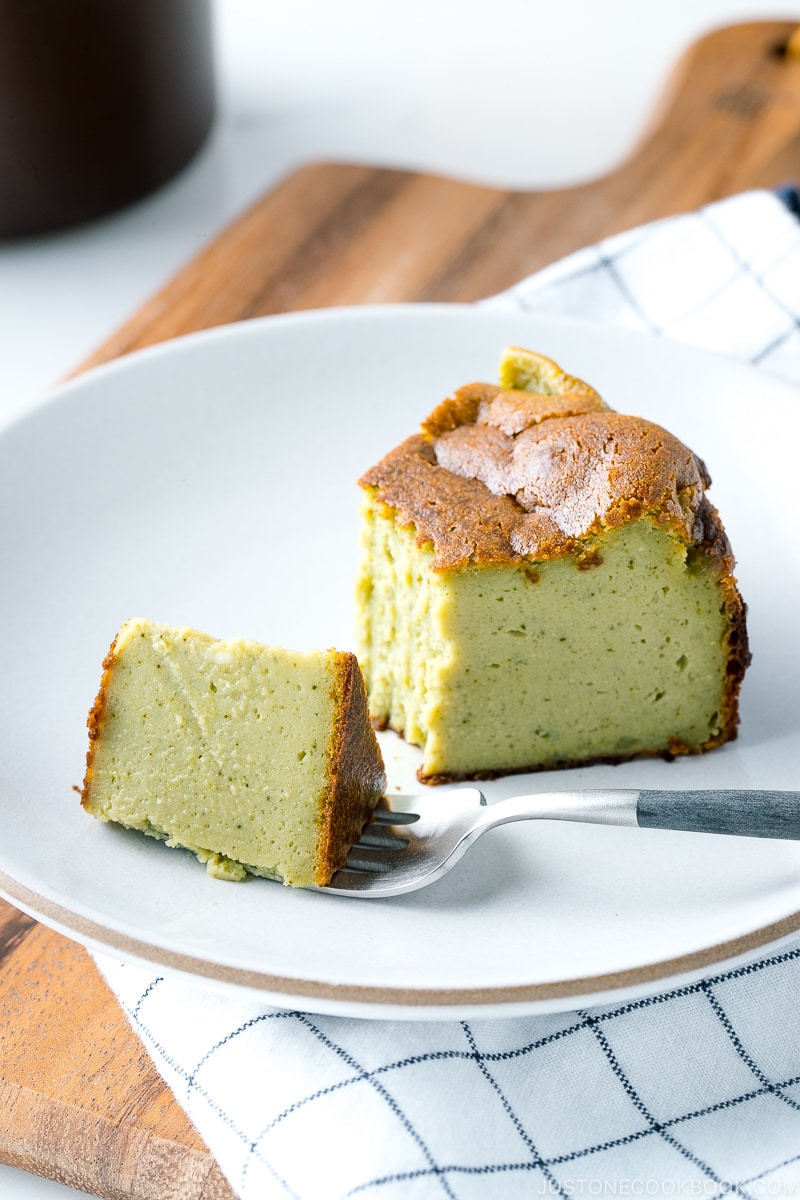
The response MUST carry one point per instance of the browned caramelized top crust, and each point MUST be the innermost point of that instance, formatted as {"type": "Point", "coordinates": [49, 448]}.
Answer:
{"type": "Point", "coordinates": [497, 476]}
{"type": "Point", "coordinates": [95, 720]}
{"type": "Point", "coordinates": [356, 770]}
{"type": "Point", "coordinates": [500, 476]}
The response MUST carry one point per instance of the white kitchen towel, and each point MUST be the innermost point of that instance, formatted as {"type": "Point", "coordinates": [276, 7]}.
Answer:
{"type": "Point", "coordinates": [726, 278]}
{"type": "Point", "coordinates": [694, 1091]}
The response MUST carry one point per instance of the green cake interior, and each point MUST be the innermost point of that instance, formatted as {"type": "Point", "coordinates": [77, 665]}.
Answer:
{"type": "Point", "coordinates": [502, 668]}
{"type": "Point", "coordinates": [220, 747]}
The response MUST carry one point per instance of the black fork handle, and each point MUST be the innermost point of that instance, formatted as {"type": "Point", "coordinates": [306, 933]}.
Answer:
{"type": "Point", "coordinates": [746, 813]}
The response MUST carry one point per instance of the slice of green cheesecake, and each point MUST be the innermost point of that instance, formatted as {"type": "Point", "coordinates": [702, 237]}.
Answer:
{"type": "Point", "coordinates": [544, 583]}
{"type": "Point", "coordinates": [258, 759]}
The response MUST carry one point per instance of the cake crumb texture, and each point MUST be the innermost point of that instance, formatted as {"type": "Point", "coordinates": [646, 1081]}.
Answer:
{"type": "Point", "coordinates": [545, 583]}
{"type": "Point", "coordinates": [258, 759]}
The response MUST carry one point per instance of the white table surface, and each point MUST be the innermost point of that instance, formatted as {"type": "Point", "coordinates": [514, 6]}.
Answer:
{"type": "Point", "coordinates": [524, 93]}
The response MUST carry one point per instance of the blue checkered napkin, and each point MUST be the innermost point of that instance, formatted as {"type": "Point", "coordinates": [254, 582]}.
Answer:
{"type": "Point", "coordinates": [726, 278]}
{"type": "Point", "coordinates": [692, 1092]}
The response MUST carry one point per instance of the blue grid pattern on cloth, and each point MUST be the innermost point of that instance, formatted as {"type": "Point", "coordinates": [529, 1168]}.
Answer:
{"type": "Point", "coordinates": [694, 1091]}
{"type": "Point", "coordinates": [725, 278]}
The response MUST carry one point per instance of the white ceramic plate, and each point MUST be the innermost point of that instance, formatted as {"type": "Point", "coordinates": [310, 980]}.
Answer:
{"type": "Point", "coordinates": [211, 481]}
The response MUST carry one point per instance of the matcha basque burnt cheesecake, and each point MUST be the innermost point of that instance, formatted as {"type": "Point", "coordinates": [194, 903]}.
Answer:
{"type": "Point", "coordinates": [544, 583]}
{"type": "Point", "coordinates": [259, 760]}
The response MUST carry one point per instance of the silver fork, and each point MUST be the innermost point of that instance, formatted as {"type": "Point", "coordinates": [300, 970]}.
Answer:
{"type": "Point", "coordinates": [414, 840]}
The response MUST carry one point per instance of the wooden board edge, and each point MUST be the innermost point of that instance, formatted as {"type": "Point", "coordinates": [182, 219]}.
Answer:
{"type": "Point", "coordinates": [68, 1145]}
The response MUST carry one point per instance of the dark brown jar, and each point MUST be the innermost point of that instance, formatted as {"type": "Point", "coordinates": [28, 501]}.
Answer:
{"type": "Point", "coordinates": [100, 102]}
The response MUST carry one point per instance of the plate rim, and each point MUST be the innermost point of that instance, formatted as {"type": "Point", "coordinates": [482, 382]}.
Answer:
{"type": "Point", "coordinates": [371, 999]}
{"type": "Point", "coordinates": [486, 308]}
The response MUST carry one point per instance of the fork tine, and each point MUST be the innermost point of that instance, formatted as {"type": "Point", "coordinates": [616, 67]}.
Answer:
{"type": "Point", "coordinates": [384, 816]}
{"type": "Point", "coordinates": [381, 841]}
{"type": "Point", "coordinates": [360, 860]}
{"type": "Point", "coordinates": [388, 860]}
{"type": "Point", "coordinates": [369, 867]}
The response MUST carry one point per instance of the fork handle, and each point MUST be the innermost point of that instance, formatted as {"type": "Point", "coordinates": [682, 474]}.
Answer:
{"type": "Point", "coordinates": [747, 813]}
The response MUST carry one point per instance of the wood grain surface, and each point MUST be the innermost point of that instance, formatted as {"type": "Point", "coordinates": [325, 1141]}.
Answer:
{"type": "Point", "coordinates": [79, 1099]}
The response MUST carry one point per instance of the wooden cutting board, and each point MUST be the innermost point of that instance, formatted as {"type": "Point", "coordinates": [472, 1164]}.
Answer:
{"type": "Point", "coordinates": [79, 1100]}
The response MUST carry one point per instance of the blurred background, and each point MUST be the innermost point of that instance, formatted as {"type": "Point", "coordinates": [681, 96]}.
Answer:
{"type": "Point", "coordinates": [525, 93]}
